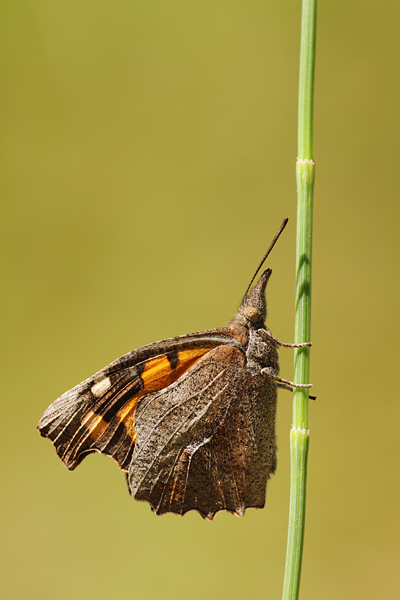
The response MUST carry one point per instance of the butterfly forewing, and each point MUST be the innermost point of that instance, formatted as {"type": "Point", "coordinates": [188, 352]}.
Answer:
{"type": "Point", "coordinates": [98, 415]}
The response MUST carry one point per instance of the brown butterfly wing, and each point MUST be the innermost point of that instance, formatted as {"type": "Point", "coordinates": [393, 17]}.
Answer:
{"type": "Point", "coordinates": [79, 423]}
{"type": "Point", "coordinates": [204, 443]}
{"type": "Point", "coordinates": [98, 414]}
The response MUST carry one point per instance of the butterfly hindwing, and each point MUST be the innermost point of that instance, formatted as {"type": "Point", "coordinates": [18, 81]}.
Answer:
{"type": "Point", "coordinates": [192, 450]}
{"type": "Point", "coordinates": [98, 415]}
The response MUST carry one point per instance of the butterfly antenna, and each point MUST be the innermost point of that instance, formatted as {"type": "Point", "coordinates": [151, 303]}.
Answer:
{"type": "Point", "coordinates": [278, 233]}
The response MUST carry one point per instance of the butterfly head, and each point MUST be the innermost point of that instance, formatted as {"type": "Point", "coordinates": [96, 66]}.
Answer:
{"type": "Point", "coordinates": [254, 307]}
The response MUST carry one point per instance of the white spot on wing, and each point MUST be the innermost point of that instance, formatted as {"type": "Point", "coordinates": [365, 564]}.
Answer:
{"type": "Point", "coordinates": [100, 388]}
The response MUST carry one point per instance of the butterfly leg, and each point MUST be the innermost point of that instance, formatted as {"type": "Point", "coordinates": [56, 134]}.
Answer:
{"type": "Point", "coordinates": [282, 386]}
{"type": "Point", "coordinates": [268, 371]}
{"type": "Point", "coordinates": [267, 335]}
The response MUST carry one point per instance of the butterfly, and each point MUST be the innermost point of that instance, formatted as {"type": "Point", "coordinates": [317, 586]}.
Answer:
{"type": "Point", "coordinates": [190, 419]}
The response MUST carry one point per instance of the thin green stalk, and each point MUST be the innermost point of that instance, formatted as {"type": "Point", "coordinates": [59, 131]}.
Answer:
{"type": "Point", "coordinates": [299, 435]}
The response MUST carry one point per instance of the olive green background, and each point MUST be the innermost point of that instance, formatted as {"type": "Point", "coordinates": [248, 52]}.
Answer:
{"type": "Point", "coordinates": [147, 158]}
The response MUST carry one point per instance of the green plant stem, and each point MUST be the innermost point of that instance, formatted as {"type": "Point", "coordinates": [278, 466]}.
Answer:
{"type": "Point", "coordinates": [299, 435]}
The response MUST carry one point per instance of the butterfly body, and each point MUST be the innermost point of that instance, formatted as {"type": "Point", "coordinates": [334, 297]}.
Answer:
{"type": "Point", "coordinates": [191, 420]}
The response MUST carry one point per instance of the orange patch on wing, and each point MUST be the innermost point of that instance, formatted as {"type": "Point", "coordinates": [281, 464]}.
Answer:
{"type": "Point", "coordinates": [126, 415]}
{"type": "Point", "coordinates": [158, 373]}
{"type": "Point", "coordinates": [95, 424]}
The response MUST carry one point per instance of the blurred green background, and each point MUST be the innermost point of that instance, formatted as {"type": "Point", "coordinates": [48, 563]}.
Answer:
{"type": "Point", "coordinates": [147, 158]}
